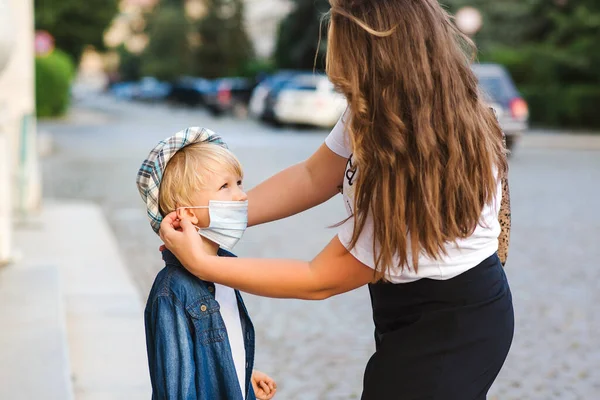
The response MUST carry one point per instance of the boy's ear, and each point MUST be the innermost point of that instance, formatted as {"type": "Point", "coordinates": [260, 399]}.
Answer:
{"type": "Point", "coordinates": [187, 213]}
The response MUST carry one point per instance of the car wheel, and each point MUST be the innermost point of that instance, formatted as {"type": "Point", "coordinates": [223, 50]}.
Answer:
{"type": "Point", "coordinates": [215, 112]}
{"type": "Point", "coordinates": [275, 123]}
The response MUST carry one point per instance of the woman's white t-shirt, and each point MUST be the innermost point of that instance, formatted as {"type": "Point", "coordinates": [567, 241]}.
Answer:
{"type": "Point", "coordinates": [462, 256]}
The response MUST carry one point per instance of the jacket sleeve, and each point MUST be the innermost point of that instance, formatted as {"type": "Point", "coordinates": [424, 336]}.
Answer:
{"type": "Point", "coordinates": [170, 351]}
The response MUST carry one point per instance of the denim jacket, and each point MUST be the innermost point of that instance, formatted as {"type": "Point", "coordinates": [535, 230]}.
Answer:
{"type": "Point", "coordinates": [188, 349]}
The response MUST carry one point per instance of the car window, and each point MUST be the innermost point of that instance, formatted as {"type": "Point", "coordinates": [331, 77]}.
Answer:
{"type": "Point", "coordinates": [497, 88]}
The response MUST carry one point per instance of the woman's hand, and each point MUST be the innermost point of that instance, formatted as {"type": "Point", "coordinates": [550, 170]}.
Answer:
{"type": "Point", "coordinates": [264, 386]}
{"type": "Point", "coordinates": [182, 239]}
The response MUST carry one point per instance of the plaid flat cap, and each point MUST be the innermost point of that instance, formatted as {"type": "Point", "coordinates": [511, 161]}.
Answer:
{"type": "Point", "coordinates": [151, 172]}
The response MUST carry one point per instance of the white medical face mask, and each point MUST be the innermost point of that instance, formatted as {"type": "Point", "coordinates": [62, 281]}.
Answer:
{"type": "Point", "coordinates": [228, 222]}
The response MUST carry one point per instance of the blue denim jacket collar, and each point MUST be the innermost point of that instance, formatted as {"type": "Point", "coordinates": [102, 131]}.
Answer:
{"type": "Point", "coordinates": [170, 259]}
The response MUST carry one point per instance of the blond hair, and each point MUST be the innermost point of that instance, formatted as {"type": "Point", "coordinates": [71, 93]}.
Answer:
{"type": "Point", "coordinates": [424, 142]}
{"type": "Point", "coordinates": [188, 170]}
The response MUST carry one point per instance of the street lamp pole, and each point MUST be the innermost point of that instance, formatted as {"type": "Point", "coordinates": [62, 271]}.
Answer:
{"type": "Point", "coordinates": [6, 186]}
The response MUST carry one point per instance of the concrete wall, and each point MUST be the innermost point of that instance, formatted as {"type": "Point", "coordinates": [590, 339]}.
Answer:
{"type": "Point", "coordinates": [19, 174]}
{"type": "Point", "coordinates": [17, 100]}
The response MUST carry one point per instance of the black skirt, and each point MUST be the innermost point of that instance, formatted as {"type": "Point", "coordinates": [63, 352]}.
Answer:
{"type": "Point", "coordinates": [443, 340]}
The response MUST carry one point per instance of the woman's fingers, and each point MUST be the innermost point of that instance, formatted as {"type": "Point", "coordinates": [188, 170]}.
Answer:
{"type": "Point", "coordinates": [167, 227]}
{"type": "Point", "coordinates": [187, 226]}
{"type": "Point", "coordinates": [176, 233]}
{"type": "Point", "coordinates": [169, 219]}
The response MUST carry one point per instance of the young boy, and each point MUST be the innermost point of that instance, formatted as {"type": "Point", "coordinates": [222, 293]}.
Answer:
{"type": "Point", "coordinates": [199, 337]}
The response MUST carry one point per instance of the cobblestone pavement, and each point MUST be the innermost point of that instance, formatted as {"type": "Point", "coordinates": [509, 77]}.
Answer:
{"type": "Point", "coordinates": [318, 350]}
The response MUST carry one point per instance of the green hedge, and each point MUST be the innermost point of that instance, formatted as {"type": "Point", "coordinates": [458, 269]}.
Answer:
{"type": "Point", "coordinates": [53, 76]}
{"type": "Point", "coordinates": [568, 106]}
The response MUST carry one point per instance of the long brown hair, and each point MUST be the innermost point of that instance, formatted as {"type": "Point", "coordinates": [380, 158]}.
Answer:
{"type": "Point", "coordinates": [424, 143]}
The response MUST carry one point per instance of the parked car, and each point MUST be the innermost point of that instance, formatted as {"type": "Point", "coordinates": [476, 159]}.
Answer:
{"type": "Point", "coordinates": [503, 96]}
{"type": "Point", "coordinates": [268, 112]}
{"type": "Point", "coordinates": [311, 100]}
{"type": "Point", "coordinates": [263, 89]}
{"type": "Point", "coordinates": [229, 95]}
{"type": "Point", "coordinates": [124, 90]}
{"type": "Point", "coordinates": [189, 91]}
{"type": "Point", "coordinates": [151, 89]}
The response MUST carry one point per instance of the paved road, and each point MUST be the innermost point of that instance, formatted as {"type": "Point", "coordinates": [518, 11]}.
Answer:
{"type": "Point", "coordinates": [319, 350]}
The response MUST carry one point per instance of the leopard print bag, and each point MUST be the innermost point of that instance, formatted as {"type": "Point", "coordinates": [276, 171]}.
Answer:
{"type": "Point", "coordinates": [504, 217]}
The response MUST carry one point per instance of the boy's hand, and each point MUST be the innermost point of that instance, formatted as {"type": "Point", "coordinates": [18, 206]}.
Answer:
{"type": "Point", "coordinates": [264, 386]}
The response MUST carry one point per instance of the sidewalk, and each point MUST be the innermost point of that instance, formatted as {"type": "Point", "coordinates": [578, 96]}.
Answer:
{"type": "Point", "coordinates": [560, 140]}
{"type": "Point", "coordinates": [72, 318]}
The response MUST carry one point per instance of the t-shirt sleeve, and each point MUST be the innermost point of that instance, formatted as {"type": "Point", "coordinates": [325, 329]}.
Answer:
{"type": "Point", "coordinates": [338, 140]}
{"type": "Point", "coordinates": [363, 250]}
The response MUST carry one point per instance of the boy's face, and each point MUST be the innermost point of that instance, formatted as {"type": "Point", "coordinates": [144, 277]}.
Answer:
{"type": "Point", "coordinates": [222, 186]}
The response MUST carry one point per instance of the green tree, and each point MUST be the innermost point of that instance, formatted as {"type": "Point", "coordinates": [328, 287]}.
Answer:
{"type": "Point", "coordinates": [130, 65]}
{"type": "Point", "coordinates": [168, 54]}
{"type": "Point", "coordinates": [75, 23]}
{"type": "Point", "coordinates": [507, 21]}
{"type": "Point", "coordinates": [552, 49]}
{"type": "Point", "coordinates": [563, 34]}
{"type": "Point", "coordinates": [225, 47]}
{"type": "Point", "coordinates": [559, 64]}
{"type": "Point", "coordinates": [176, 3]}
{"type": "Point", "coordinates": [298, 36]}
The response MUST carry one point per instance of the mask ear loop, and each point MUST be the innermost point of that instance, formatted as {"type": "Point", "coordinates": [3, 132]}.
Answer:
{"type": "Point", "coordinates": [183, 208]}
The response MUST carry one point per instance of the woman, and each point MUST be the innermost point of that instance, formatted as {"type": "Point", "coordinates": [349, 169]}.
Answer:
{"type": "Point", "coordinates": [422, 165]}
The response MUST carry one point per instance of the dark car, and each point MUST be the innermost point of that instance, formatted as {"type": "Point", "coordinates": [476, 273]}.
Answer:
{"type": "Point", "coordinates": [503, 96]}
{"type": "Point", "coordinates": [189, 91]}
{"type": "Point", "coordinates": [229, 95]}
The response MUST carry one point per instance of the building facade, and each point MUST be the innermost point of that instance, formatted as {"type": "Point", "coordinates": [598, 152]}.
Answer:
{"type": "Point", "coordinates": [20, 183]}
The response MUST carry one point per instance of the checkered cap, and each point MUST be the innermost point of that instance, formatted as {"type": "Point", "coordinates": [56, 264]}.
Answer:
{"type": "Point", "coordinates": [151, 172]}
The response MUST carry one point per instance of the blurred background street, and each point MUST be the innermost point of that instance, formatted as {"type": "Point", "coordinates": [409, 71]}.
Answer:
{"type": "Point", "coordinates": [86, 92]}
{"type": "Point", "coordinates": [318, 350]}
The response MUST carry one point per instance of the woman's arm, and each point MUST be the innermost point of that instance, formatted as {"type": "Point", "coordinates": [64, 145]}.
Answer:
{"type": "Point", "coordinates": [297, 188]}
{"type": "Point", "coordinates": [333, 271]}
